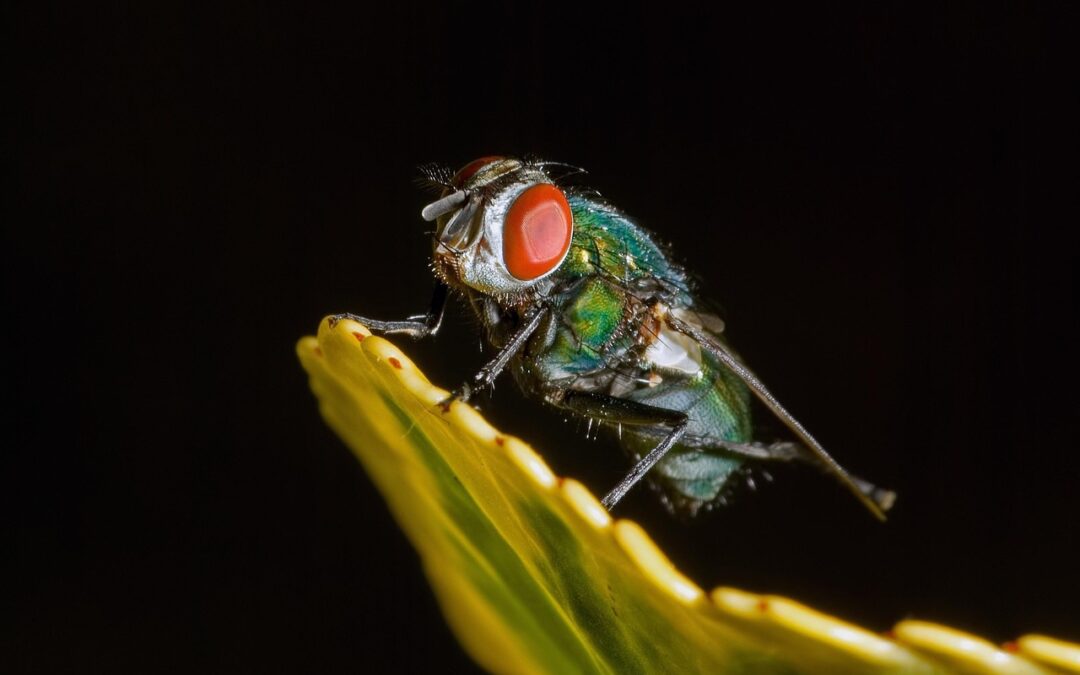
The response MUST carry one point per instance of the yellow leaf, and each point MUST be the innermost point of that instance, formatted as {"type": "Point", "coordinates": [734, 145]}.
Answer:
{"type": "Point", "coordinates": [534, 576]}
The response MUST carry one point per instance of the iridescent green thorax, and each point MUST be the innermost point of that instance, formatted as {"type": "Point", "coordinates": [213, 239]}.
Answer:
{"type": "Point", "coordinates": [608, 244]}
{"type": "Point", "coordinates": [598, 340]}
{"type": "Point", "coordinates": [593, 318]}
{"type": "Point", "coordinates": [611, 267]}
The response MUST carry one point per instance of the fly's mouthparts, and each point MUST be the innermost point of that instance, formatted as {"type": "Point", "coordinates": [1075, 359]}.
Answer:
{"type": "Point", "coordinates": [460, 231]}
{"type": "Point", "coordinates": [444, 250]}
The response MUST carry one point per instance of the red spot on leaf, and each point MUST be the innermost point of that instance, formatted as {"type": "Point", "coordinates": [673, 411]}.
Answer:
{"type": "Point", "coordinates": [499, 440]}
{"type": "Point", "coordinates": [358, 335]}
{"type": "Point", "coordinates": [318, 351]}
{"type": "Point", "coordinates": [890, 634]}
{"type": "Point", "coordinates": [763, 605]}
{"type": "Point", "coordinates": [1011, 647]}
{"type": "Point", "coordinates": [394, 362]}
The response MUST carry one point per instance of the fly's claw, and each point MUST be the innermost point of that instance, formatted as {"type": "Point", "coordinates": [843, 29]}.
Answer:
{"type": "Point", "coordinates": [462, 393]}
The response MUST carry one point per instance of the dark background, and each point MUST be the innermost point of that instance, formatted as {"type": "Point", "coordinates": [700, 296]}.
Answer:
{"type": "Point", "coordinates": [865, 191]}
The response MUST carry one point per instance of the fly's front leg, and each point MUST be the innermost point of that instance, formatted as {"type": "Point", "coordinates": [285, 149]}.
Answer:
{"type": "Point", "coordinates": [624, 411]}
{"type": "Point", "coordinates": [416, 327]}
{"type": "Point", "coordinates": [488, 373]}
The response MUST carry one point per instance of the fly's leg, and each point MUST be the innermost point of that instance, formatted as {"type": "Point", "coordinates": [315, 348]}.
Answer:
{"type": "Point", "coordinates": [416, 327]}
{"type": "Point", "coordinates": [788, 451]}
{"type": "Point", "coordinates": [814, 449]}
{"type": "Point", "coordinates": [632, 413]}
{"type": "Point", "coordinates": [489, 372]}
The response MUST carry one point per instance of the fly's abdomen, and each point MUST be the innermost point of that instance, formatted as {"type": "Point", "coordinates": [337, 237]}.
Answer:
{"type": "Point", "coordinates": [694, 472]}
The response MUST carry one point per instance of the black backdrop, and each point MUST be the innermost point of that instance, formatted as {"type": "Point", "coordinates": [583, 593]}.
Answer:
{"type": "Point", "coordinates": [864, 191]}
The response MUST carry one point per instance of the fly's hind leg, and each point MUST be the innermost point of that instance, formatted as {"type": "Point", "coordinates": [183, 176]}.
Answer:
{"type": "Point", "coordinates": [631, 413]}
{"type": "Point", "coordinates": [416, 327]}
{"type": "Point", "coordinates": [788, 451]}
{"type": "Point", "coordinates": [710, 343]}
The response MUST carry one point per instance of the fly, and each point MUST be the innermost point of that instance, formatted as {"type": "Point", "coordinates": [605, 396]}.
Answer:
{"type": "Point", "coordinates": [591, 316]}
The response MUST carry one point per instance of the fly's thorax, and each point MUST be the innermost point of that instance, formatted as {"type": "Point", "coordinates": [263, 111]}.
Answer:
{"type": "Point", "coordinates": [503, 228]}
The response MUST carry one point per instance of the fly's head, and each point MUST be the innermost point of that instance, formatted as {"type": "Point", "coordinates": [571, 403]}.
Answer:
{"type": "Point", "coordinates": [503, 227]}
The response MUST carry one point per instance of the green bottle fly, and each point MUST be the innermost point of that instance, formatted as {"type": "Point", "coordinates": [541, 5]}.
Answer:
{"type": "Point", "coordinates": [592, 317]}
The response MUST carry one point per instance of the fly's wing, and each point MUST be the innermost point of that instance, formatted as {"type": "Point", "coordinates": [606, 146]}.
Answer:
{"type": "Point", "coordinates": [877, 501]}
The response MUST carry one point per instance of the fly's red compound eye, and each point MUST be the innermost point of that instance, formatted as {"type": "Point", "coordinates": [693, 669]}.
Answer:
{"type": "Point", "coordinates": [537, 232]}
{"type": "Point", "coordinates": [469, 170]}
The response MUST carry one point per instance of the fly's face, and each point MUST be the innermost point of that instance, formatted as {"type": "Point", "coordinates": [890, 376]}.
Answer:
{"type": "Point", "coordinates": [503, 227]}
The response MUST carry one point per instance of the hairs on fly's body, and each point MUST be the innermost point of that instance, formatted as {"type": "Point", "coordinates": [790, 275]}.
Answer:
{"type": "Point", "coordinates": [435, 177]}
